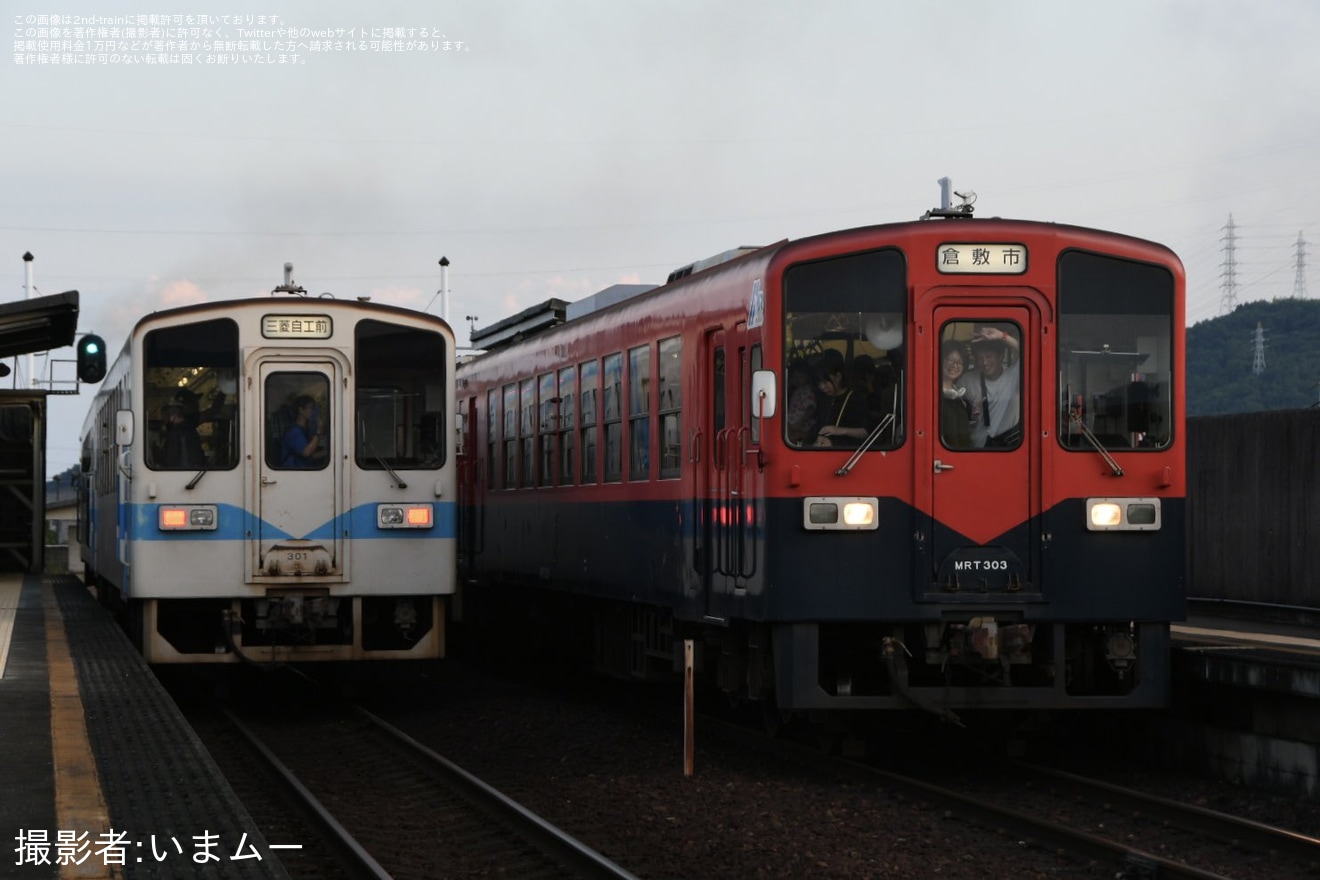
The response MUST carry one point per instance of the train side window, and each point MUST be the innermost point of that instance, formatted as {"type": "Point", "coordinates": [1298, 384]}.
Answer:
{"type": "Point", "coordinates": [670, 387]}
{"type": "Point", "coordinates": [190, 413]}
{"type": "Point", "coordinates": [567, 428]}
{"type": "Point", "coordinates": [590, 375]}
{"type": "Point", "coordinates": [1115, 353]}
{"type": "Point", "coordinates": [510, 436]}
{"type": "Point", "coordinates": [717, 397]}
{"type": "Point", "coordinates": [639, 413]}
{"type": "Point", "coordinates": [612, 388]}
{"type": "Point", "coordinates": [545, 436]}
{"type": "Point", "coordinates": [492, 436]}
{"type": "Point", "coordinates": [527, 398]}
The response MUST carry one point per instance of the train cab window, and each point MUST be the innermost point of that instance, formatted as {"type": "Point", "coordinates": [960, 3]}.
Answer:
{"type": "Point", "coordinates": [612, 416]}
{"type": "Point", "coordinates": [402, 410]}
{"type": "Point", "coordinates": [1115, 353]}
{"type": "Point", "coordinates": [567, 427]}
{"type": "Point", "coordinates": [298, 420]}
{"type": "Point", "coordinates": [590, 375]}
{"type": "Point", "coordinates": [639, 413]}
{"type": "Point", "coordinates": [669, 385]}
{"type": "Point", "coordinates": [844, 322]}
{"type": "Point", "coordinates": [190, 396]}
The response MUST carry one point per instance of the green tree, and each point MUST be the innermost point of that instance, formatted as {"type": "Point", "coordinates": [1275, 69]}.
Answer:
{"type": "Point", "coordinates": [1220, 353]}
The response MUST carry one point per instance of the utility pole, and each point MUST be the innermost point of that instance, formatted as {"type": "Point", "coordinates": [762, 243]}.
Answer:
{"type": "Point", "coordinates": [1228, 301]}
{"type": "Point", "coordinates": [444, 288]}
{"type": "Point", "coordinates": [29, 286]}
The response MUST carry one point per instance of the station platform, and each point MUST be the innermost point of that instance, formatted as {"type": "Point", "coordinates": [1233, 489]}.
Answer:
{"type": "Point", "coordinates": [1253, 654]}
{"type": "Point", "coordinates": [103, 776]}
{"type": "Point", "coordinates": [1246, 700]}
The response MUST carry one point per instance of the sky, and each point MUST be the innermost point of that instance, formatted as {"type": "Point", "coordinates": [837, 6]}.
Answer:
{"type": "Point", "coordinates": [554, 149]}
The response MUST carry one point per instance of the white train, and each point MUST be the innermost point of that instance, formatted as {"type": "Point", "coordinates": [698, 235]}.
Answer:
{"type": "Point", "coordinates": [273, 479]}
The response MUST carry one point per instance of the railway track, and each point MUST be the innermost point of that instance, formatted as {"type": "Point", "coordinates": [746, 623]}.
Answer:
{"type": "Point", "coordinates": [395, 808]}
{"type": "Point", "coordinates": [1279, 846]}
{"type": "Point", "coordinates": [597, 765]}
{"type": "Point", "coordinates": [1135, 834]}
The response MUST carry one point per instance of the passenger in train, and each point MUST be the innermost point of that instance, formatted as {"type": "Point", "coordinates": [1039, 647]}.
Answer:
{"type": "Point", "coordinates": [994, 389]}
{"type": "Point", "coordinates": [845, 417]}
{"type": "Point", "coordinates": [955, 411]}
{"type": "Point", "coordinates": [181, 447]}
{"type": "Point", "coordinates": [304, 439]}
{"type": "Point", "coordinates": [801, 422]}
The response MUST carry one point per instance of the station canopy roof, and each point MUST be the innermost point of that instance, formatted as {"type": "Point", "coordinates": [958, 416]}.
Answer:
{"type": "Point", "coordinates": [38, 324]}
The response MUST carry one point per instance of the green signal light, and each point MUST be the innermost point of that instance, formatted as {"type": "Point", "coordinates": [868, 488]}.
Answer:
{"type": "Point", "coordinates": [91, 358]}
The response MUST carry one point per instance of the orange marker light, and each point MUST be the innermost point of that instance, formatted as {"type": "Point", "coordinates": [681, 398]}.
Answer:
{"type": "Point", "coordinates": [173, 517]}
{"type": "Point", "coordinates": [419, 516]}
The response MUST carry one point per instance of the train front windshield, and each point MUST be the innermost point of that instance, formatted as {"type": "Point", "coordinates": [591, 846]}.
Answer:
{"type": "Point", "coordinates": [843, 328]}
{"type": "Point", "coordinates": [1115, 353]}
{"type": "Point", "coordinates": [190, 396]}
{"type": "Point", "coordinates": [192, 410]}
{"type": "Point", "coordinates": [401, 403]}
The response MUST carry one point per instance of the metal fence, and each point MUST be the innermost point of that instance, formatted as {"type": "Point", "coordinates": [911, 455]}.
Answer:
{"type": "Point", "coordinates": [1254, 507]}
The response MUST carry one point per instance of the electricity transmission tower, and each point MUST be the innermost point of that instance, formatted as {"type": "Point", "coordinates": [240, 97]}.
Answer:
{"type": "Point", "coordinates": [1258, 360]}
{"type": "Point", "coordinates": [1299, 281]}
{"type": "Point", "coordinates": [1228, 301]}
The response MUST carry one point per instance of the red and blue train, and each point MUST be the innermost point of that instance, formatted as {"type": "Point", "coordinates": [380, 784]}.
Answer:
{"type": "Point", "coordinates": [935, 464]}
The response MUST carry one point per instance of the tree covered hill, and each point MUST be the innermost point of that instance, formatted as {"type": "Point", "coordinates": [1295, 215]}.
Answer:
{"type": "Point", "coordinates": [1221, 351]}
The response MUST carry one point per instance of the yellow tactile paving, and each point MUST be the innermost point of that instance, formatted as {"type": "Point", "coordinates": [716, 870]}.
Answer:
{"type": "Point", "coordinates": [79, 804]}
{"type": "Point", "coordinates": [10, 587]}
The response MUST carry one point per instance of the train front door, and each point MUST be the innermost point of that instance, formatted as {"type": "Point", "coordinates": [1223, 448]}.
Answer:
{"type": "Point", "coordinates": [983, 434]}
{"type": "Point", "coordinates": [298, 530]}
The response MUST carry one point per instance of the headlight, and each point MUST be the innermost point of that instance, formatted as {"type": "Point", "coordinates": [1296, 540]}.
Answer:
{"type": "Point", "coordinates": [843, 514]}
{"type": "Point", "coordinates": [1122, 514]}
{"type": "Point", "coordinates": [187, 517]}
{"type": "Point", "coordinates": [404, 516]}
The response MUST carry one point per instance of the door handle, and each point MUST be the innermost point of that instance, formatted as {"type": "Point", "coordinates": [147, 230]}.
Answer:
{"type": "Point", "coordinates": [266, 481]}
{"type": "Point", "coordinates": [941, 466]}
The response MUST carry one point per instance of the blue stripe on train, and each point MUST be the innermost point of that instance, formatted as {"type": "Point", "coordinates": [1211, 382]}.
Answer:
{"type": "Point", "coordinates": [234, 524]}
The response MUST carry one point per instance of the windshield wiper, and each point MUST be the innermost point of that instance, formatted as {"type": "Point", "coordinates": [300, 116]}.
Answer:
{"type": "Point", "coordinates": [885, 423]}
{"type": "Point", "coordinates": [197, 479]}
{"type": "Point", "coordinates": [382, 462]}
{"type": "Point", "coordinates": [866, 445]}
{"type": "Point", "coordinates": [1075, 418]}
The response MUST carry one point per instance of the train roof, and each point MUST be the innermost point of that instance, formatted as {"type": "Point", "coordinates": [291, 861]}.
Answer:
{"type": "Point", "coordinates": [295, 301]}
{"type": "Point", "coordinates": [553, 312]}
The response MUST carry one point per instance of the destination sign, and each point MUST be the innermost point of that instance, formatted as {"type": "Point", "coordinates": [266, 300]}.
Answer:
{"type": "Point", "coordinates": [981, 258]}
{"type": "Point", "coordinates": [296, 326]}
